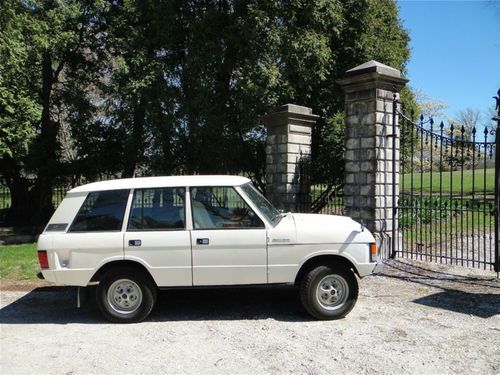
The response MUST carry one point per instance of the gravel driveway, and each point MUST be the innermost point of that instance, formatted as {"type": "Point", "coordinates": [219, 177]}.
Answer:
{"type": "Point", "coordinates": [411, 317]}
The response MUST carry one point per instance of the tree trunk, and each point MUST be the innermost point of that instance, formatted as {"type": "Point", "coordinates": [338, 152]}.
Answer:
{"type": "Point", "coordinates": [46, 151]}
{"type": "Point", "coordinates": [134, 147]}
{"type": "Point", "coordinates": [18, 212]}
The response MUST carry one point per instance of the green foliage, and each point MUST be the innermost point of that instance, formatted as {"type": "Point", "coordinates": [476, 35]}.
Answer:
{"type": "Point", "coordinates": [93, 88]}
{"type": "Point", "coordinates": [424, 220]}
{"type": "Point", "coordinates": [19, 262]}
{"type": "Point", "coordinates": [49, 58]}
{"type": "Point", "coordinates": [329, 161]}
{"type": "Point", "coordinates": [19, 108]}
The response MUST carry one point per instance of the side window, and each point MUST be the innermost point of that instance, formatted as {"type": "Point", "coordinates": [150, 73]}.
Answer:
{"type": "Point", "coordinates": [157, 209]}
{"type": "Point", "coordinates": [221, 207]}
{"type": "Point", "coordinates": [101, 211]}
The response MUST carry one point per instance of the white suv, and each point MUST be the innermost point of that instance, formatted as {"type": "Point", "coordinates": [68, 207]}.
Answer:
{"type": "Point", "coordinates": [133, 236]}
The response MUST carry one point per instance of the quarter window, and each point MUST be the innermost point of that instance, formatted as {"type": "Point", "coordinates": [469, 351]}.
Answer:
{"type": "Point", "coordinates": [221, 207]}
{"type": "Point", "coordinates": [157, 209]}
{"type": "Point", "coordinates": [101, 211]}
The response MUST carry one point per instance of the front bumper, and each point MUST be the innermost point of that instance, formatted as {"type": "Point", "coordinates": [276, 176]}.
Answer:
{"type": "Point", "coordinates": [365, 269]}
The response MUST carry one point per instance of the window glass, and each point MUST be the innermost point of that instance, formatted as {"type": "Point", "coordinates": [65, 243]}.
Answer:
{"type": "Point", "coordinates": [157, 209]}
{"type": "Point", "coordinates": [221, 207]}
{"type": "Point", "coordinates": [101, 211]}
{"type": "Point", "coordinates": [266, 208]}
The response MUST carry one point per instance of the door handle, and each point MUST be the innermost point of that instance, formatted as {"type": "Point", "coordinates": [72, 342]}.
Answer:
{"type": "Point", "coordinates": [134, 242]}
{"type": "Point", "coordinates": [202, 241]}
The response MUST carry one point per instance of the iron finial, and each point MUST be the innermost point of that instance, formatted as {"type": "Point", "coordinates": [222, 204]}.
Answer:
{"type": "Point", "coordinates": [497, 105]}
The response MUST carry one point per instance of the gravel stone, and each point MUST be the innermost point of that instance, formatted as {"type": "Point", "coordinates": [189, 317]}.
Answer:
{"type": "Point", "coordinates": [411, 317]}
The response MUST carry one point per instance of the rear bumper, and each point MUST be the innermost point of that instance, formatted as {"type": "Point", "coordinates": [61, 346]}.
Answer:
{"type": "Point", "coordinates": [76, 277]}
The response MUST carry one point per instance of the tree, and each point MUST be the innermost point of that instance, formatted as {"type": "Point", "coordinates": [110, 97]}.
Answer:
{"type": "Point", "coordinates": [48, 47]}
{"type": "Point", "coordinates": [19, 107]}
{"type": "Point", "coordinates": [174, 87]}
{"type": "Point", "coordinates": [469, 120]}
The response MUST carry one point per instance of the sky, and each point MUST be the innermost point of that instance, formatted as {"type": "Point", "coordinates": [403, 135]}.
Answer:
{"type": "Point", "coordinates": [455, 51]}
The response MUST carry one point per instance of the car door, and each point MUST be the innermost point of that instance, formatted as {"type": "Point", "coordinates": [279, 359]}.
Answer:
{"type": "Point", "coordinates": [228, 239]}
{"type": "Point", "coordinates": [156, 235]}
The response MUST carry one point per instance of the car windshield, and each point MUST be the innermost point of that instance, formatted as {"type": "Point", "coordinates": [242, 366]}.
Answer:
{"type": "Point", "coordinates": [267, 209]}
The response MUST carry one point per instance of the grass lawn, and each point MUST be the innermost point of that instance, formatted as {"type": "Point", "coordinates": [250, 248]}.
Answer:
{"type": "Point", "coordinates": [451, 181]}
{"type": "Point", "coordinates": [19, 262]}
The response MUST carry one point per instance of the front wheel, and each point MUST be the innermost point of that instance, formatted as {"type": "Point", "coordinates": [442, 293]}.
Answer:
{"type": "Point", "coordinates": [329, 292]}
{"type": "Point", "coordinates": [126, 295]}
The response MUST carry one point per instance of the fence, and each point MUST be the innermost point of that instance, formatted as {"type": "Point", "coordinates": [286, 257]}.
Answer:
{"type": "Point", "coordinates": [58, 193]}
{"type": "Point", "coordinates": [315, 195]}
{"type": "Point", "coordinates": [447, 208]}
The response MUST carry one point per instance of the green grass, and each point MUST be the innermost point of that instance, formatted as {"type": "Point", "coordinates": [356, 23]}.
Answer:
{"type": "Point", "coordinates": [19, 262]}
{"type": "Point", "coordinates": [451, 178]}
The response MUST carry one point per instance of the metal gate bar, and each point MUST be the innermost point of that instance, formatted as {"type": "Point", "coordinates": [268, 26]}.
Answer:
{"type": "Point", "coordinates": [449, 191]}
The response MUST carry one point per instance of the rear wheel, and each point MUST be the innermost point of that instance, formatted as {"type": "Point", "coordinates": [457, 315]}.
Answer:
{"type": "Point", "coordinates": [329, 292]}
{"type": "Point", "coordinates": [126, 295]}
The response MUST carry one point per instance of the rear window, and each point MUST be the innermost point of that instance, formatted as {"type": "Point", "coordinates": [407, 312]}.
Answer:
{"type": "Point", "coordinates": [101, 211]}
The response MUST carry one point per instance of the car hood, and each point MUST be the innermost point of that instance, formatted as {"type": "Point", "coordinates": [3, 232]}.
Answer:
{"type": "Point", "coordinates": [315, 228]}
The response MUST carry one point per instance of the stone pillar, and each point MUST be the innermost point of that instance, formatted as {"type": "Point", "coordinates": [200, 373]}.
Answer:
{"type": "Point", "coordinates": [368, 185]}
{"type": "Point", "coordinates": [289, 130]}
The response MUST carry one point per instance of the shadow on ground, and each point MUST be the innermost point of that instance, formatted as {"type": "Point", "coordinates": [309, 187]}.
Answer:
{"type": "Point", "coordinates": [475, 296]}
{"type": "Point", "coordinates": [460, 293]}
{"type": "Point", "coordinates": [57, 305]}
{"type": "Point", "coordinates": [480, 305]}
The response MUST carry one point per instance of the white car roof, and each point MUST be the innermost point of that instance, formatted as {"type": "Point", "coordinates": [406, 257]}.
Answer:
{"type": "Point", "coordinates": [165, 181]}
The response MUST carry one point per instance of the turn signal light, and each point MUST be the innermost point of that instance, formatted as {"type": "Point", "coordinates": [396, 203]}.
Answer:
{"type": "Point", "coordinates": [43, 259]}
{"type": "Point", "coordinates": [373, 252]}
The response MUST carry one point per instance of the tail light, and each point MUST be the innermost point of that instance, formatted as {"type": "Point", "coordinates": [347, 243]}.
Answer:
{"type": "Point", "coordinates": [43, 259]}
{"type": "Point", "coordinates": [373, 252]}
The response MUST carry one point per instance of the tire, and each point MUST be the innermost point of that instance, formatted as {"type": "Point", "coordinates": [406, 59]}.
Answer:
{"type": "Point", "coordinates": [329, 292]}
{"type": "Point", "coordinates": [126, 295]}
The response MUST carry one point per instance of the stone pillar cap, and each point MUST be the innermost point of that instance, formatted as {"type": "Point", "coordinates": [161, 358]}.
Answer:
{"type": "Point", "coordinates": [372, 74]}
{"type": "Point", "coordinates": [292, 108]}
{"type": "Point", "coordinates": [280, 115]}
{"type": "Point", "coordinates": [373, 66]}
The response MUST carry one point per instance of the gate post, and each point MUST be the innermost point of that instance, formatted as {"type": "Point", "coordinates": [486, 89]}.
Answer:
{"type": "Point", "coordinates": [289, 129]}
{"type": "Point", "coordinates": [371, 163]}
{"type": "Point", "coordinates": [496, 261]}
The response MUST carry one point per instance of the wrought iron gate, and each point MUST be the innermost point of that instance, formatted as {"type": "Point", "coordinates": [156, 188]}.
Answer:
{"type": "Point", "coordinates": [317, 195]}
{"type": "Point", "coordinates": [449, 192]}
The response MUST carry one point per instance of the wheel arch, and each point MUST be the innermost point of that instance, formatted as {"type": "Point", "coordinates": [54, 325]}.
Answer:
{"type": "Point", "coordinates": [120, 264]}
{"type": "Point", "coordinates": [324, 260]}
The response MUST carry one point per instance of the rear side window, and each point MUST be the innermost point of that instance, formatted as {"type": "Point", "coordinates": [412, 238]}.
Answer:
{"type": "Point", "coordinates": [157, 209]}
{"type": "Point", "coordinates": [101, 211]}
